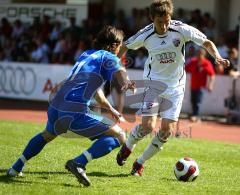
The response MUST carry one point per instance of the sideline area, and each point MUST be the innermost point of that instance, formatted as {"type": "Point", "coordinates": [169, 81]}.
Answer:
{"type": "Point", "coordinates": [208, 130]}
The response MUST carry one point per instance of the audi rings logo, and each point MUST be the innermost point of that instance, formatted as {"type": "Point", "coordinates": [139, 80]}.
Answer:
{"type": "Point", "coordinates": [17, 80]}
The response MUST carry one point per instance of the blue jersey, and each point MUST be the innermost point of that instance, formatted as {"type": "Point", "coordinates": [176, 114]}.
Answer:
{"type": "Point", "coordinates": [68, 109]}
{"type": "Point", "coordinates": [91, 70]}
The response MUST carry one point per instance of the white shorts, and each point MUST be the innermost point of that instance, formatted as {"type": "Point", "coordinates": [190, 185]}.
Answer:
{"type": "Point", "coordinates": [166, 103]}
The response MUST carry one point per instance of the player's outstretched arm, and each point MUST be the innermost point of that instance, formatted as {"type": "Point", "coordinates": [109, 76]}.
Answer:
{"type": "Point", "coordinates": [104, 103]}
{"type": "Point", "coordinates": [102, 100]}
{"type": "Point", "coordinates": [123, 82]}
{"type": "Point", "coordinates": [212, 49]}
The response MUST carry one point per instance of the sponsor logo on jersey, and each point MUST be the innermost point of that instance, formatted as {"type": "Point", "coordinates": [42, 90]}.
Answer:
{"type": "Point", "coordinates": [176, 42]}
{"type": "Point", "coordinates": [166, 61]}
{"type": "Point", "coordinates": [166, 57]}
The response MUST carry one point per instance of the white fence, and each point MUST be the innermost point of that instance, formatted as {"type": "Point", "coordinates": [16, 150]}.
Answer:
{"type": "Point", "coordinates": [35, 81]}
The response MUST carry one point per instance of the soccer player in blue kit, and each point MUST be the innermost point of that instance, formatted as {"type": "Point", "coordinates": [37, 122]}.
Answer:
{"type": "Point", "coordinates": [69, 108]}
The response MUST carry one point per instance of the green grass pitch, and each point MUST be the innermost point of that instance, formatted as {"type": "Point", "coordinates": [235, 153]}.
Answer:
{"type": "Point", "coordinates": [45, 174]}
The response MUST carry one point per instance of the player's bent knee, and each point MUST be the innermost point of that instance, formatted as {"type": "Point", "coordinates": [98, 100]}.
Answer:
{"type": "Point", "coordinates": [48, 136]}
{"type": "Point", "coordinates": [139, 133]}
{"type": "Point", "coordinates": [168, 125]}
{"type": "Point", "coordinates": [147, 128]}
{"type": "Point", "coordinates": [164, 135]}
{"type": "Point", "coordinates": [121, 136]}
{"type": "Point", "coordinates": [117, 132]}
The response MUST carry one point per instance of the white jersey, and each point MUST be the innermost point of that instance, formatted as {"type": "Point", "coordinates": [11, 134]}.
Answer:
{"type": "Point", "coordinates": [166, 58]}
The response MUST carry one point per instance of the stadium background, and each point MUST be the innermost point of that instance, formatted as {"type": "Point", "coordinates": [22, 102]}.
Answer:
{"type": "Point", "coordinates": [26, 81]}
{"type": "Point", "coordinates": [39, 41]}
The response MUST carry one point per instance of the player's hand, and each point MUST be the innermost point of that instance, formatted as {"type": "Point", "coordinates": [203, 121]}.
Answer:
{"type": "Point", "coordinates": [117, 116]}
{"type": "Point", "coordinates": [130, 85]}
{"type": "Point", "coordinates": [221, 61]}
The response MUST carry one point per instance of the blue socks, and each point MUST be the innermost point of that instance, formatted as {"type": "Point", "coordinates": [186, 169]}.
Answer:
{"type": "Point", "coordinates": [100, 148]}
{"type": "Point", "coordinates": [35, 145]}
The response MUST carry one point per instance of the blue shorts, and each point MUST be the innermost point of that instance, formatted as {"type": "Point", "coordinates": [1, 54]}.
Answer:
{"type": "Point", "coordinates": [89, 125]}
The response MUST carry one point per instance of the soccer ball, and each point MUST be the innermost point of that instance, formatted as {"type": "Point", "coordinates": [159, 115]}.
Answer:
{"type": "Point", "coordinates": [186, 169]}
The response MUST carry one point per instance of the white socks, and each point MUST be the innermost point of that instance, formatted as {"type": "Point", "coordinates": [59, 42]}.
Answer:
{"type": "Point", "coordinates": [154, 147]}
{"type": "Point", "coordinates": [87, 155]}
{"type": "Point", "coordinates": [134, 137]}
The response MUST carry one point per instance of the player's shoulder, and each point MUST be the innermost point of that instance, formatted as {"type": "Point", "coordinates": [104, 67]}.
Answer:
{"type": "Point", "coordinates": [144, 32]}
{"type": "Point", "coordinates": [86, 54]}
{"type": "Point", "coordinates": [147, 29]}
{"type": "Point", "coordinates": [109, 55]}
{"type": "Point", "coordinates": [176, 25]}
{"type": "Point", "coordinates": [99, 54]}
{"type": "Point", "coordinates": [109, 60]}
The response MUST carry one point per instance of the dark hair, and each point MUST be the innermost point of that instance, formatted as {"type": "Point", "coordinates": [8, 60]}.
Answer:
{"type": "Point", "coordinates": [161, 8]}
{"type": "Point", "coordinates": [108, 38]}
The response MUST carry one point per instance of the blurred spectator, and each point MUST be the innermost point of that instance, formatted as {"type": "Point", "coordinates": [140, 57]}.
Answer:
{"type": "Point", "coordinates": [190, 51]}
{"type": "Point", "coordinates": [40, 51]}
{"type": "Point", "coordinates": [91, 27]}
{"type": "Point", "coordinates": [209, 26]}
{"type": "Point", "coordinates": [138, 21]}
{"type": "Point", "coordinates": [23, 44]}
{"type": "Point", "coordinates": [8, 49]}
{"type": "Point", "coordinates": [196, 19]}
{"type": "Point", "coordinates": [19, 54]}
{"type": "Point", "coordinates": [132, 20]}
{"type": "Point", "coordinates": [80, 49]}
{"type": "Point", "coordinates": [2, 55]}
{"type": "Point", "coordinates": [140, 59]}
{"type": "Point", "coordinates": [120, 21]}
{"type": "Point", "coordinates": [73, 30]}
{"type": "Point", "coordinates": [202, 77]}
{"type": "Point", "coordinates": [46, 27]}
{"type": "Point", "coordinates": [18, 29]}
{"type": "Point", "coordinates": [222, 46]}
{"type": "Point", "coordinates": [6, 28]}
{"type": "Point", "coordinates": [71, 46]}
{"type": "Point", "coordinates": [64, 44]}
{"type": "Point", "coordinates": [145, 17]}
{"type": "Point", "coordinates": [181, 15]}
{"type": "Point", "coordinates": [57, 29]}
{"type": "Point", "coordinates": [35, 28]}
{"type": "Point", "coordinates": [232, 70]}
{"type": "Point", "coordinates": [232, 37]}
{"type": "Point", "coordinates": [107, 16]}
{"type": "Point", "coordinates": [15, 53]}
{"type": "Point", "coordinates": [60, 50]}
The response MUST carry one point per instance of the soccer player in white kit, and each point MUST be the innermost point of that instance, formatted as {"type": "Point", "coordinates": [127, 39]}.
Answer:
{"type": "Point", "coordinates": [165, 41]}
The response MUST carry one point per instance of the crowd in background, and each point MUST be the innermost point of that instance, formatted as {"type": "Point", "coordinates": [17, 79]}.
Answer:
{"type": "Point", "coordinates": [48, 41]}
